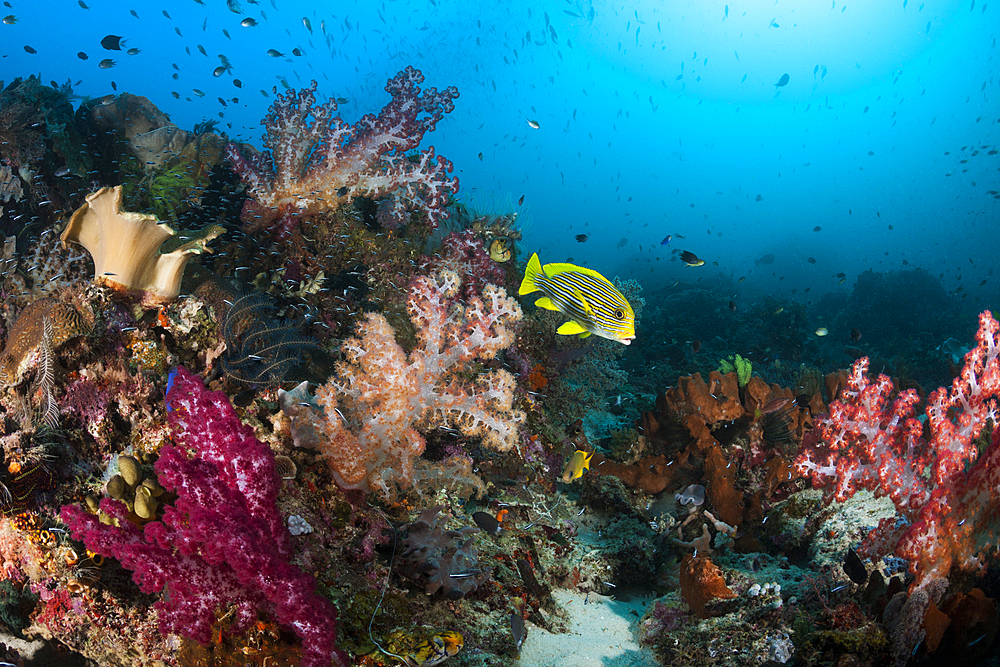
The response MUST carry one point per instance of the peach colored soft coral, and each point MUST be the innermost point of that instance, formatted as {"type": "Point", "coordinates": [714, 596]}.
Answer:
{"type": "Point", "coordinates": [367, 420]}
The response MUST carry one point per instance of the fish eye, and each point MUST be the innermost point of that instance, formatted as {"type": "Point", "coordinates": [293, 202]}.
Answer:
{"type": "Point", "coordinates": [619, 313]}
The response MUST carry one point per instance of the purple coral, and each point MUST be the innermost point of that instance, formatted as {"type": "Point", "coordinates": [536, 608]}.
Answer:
{"type": "Point", "coordinates": [222, 544]}
{"type": "Point", "coordinates": [315, 161]}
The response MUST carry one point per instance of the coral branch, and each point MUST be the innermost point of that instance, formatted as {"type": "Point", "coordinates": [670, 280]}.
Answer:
{"type": "Point", "coordinates": [319, 164]}
{"type": "Point", "coordinates": [222, 544]}
{"type": "Point", "coordinates": [365, 419]}
{"type": "Point", "coordinates": [942, 484]}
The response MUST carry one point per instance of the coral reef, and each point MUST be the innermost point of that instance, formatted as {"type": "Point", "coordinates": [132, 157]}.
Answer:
{"type": "Point", "coordinates": [238, 520]}
{"type": "Point", "coordinates": [367, 419]}
{"type": "Point", "coordinates": [315, 161]}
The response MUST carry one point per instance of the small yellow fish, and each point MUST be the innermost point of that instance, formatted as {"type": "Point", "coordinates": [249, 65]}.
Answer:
{"type": "Point", "coordinates": [435, 650]}
{"type": "Point", "coordinates": [822, 331]}
{"type": "Point", "coordinates": [500, 250]}
{"type": "Point", "coordinates": [594, 305]}
{"type": "Point", "coordinates": [579, 462]}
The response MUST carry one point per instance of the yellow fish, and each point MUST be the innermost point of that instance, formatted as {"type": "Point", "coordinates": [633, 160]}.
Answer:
{"type": "Point", "coordinates": [500, 250]}
{"type": "Point", "coordinates": [435, 650]}
{"type": "Point", "coordinates": [579, 462]}
{"type": "Point", "coordinates": [593, 303]}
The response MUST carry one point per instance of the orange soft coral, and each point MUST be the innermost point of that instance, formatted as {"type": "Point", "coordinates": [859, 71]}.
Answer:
{"type": "Point", "coordinates": [701, 582]}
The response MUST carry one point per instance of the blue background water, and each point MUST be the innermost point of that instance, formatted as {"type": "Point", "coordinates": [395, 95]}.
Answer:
{"type": "Point", "coordinates": [654, 118]}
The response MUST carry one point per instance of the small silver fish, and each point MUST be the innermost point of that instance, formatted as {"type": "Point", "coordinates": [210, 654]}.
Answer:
{"type": "Point", "coordinates": [248, 23]}
{"type": "Point", "coordinates": [468, 574]}
{"type": "Point", "coordinates": [107, 63]}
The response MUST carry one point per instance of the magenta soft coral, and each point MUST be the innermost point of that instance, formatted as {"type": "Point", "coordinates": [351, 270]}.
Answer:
{"type": "Point", "coordinates": [222, 544]}
{"type": "Point", "coordinates": [315, 161]}
{"type": "Point", "coordinates": [944, 486]}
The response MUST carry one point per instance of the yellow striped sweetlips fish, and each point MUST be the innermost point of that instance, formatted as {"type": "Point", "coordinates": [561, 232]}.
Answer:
{"type": "Point", "coordinates": [584, 295]}
{"type": "Point", "coordinates": [435, 650]}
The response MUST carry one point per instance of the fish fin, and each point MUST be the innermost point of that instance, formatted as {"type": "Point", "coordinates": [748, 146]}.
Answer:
{"type": "Point", "coordinates": [552, 270]}
{"type": "Point", "coordinates": [533, 271]}
{"type": "Point", "coordinates": [586, 304]}
{"type": "Point", "coordinates": [572, 328]}
{"type": "Point", "coordinates": [546, 303]}
{"type": "Point", "coordinates": [586, 461]}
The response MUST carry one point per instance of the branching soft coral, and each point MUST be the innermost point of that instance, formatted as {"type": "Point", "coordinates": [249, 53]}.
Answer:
{"type": "Point", "coordinates": [367, 419]}
{"type": "Point", "coordinates": [315, 161]}
{"type": "Point", "coordinates": [222, 544]}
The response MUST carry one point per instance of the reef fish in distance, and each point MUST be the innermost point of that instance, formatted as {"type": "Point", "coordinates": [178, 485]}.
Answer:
{"type": "Point", "coordinates": [593, 303]}
{"type": "Point", "coordinates": [783, 81]}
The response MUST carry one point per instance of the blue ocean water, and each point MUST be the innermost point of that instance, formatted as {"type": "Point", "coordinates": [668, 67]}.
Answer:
{"type": "Point", "coordinates": [652, 119]}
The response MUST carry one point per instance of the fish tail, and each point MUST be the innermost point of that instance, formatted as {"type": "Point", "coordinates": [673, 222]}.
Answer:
{"type": "Point", "coordinates": [533, 271]}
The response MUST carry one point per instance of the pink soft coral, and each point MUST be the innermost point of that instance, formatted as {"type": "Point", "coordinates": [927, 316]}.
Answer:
{"type": "Point", "coordinates": [943, 485]}
{"type": "Point", "coordinates": [365, 420]}
{"type": "Point", "coordinates": [222, 544]}
{"type": "Point", "coordinates": [315, 161]}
